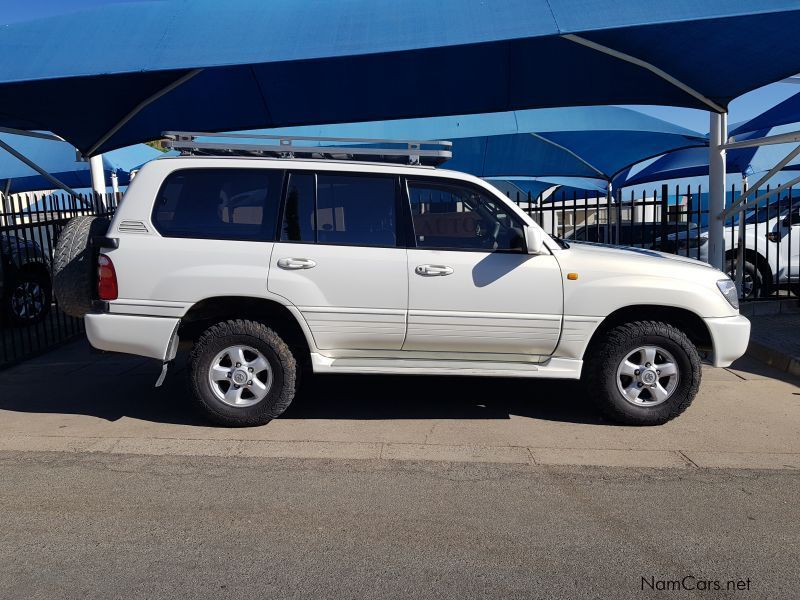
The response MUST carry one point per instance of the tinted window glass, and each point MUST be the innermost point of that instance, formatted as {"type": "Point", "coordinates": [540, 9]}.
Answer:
{"type": "Point", "coordinates": [356, 210]}
{"type": "Point", "coordinates": [346, 210]}
{"type": "Point", "coordinates": [238, 204]}
{"type": "Point", "coordinates": [461, 218]}
{"type": "Point", "coordinates": [298, 216]}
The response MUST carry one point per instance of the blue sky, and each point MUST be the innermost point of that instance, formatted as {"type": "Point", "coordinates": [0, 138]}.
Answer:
{"type": "Point", "coordinates": [743, 108]}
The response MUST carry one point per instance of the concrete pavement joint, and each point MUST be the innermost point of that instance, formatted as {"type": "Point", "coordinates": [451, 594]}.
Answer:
{"type": "Point", "coordinates": [688, 460]}
{"type": "Point", "coordinates": [456, 453]}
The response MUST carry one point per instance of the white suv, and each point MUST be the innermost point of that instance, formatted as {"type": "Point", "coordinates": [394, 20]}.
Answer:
{"type": "Point", "coordinates": [263, 266]}
{"type": "Point", "coordinates": [772, 249]}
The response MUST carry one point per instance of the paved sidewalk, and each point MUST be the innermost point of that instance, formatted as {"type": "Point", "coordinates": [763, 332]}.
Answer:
{"type": "Point", "coordinates": [76, 401]}
{"type": "Point", "coordinates": [775, 340]}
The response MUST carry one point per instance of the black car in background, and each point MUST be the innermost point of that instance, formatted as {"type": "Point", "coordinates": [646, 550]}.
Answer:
{"type": "Point", "coordinates": [25, 283]}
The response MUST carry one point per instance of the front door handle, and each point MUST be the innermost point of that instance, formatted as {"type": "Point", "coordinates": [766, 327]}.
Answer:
{"type": "Point", "coordinates": [293, 264]}
{"type": "Point", "coordinates": [434, 270]}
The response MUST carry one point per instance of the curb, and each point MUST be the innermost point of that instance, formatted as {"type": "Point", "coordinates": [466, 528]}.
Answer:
{"type": "Point", "coordinates": [773, 357]}
{"type": "Point", "coordinates": [394, 451]}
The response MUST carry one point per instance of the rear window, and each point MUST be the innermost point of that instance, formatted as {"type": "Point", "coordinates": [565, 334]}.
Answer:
{"type": "Point", "coordinates": [228, 204]}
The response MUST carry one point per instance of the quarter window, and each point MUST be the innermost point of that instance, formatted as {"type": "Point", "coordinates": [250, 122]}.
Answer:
{"type": "Point", "coordinates": [238, 204]}
{"type": "Point", "coordinates": [449, 216]}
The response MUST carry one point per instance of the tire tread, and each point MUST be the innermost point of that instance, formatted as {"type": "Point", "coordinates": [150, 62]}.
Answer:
{"type": "Point", "coordinates": [74, 264]}
{"type": "Point", "coordinates": [260, 331]}
{"type": "Point", "coordinates": [603, 361]}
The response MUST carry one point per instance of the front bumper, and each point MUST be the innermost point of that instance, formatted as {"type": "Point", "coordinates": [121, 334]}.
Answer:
{"type": "Point", "coordinates": [153, 337]}
{"type": "Point", "coordinates": [730, 336]}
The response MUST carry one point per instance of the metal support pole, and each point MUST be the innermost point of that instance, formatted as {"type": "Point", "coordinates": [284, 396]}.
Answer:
{"type": "Point", "coordinates": [609, 196]}
{"type": "Point", "coordinates": [716, 189]}
{"type": "Point", "coordinates": [98, 177]}
{"type": "Point", "coordinates": [114, 183]}
{"type": "Point", "coordinates": [740, 247]}
{"type": "Point", "coordinates": [6, 203]}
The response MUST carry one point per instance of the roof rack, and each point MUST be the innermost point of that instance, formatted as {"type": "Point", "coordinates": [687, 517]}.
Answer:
{"type": "Point", "coordinates": [410, 152]}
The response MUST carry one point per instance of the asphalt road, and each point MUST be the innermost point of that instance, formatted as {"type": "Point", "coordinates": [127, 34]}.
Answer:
{"type": "Point", "coordinates": [81, 525]}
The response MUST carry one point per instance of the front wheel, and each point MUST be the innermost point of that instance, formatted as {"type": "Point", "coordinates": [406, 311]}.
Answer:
{"type": "Point", "coordinates": [643, 373]}
{"type": "Point", "coordinates": [242, 373]}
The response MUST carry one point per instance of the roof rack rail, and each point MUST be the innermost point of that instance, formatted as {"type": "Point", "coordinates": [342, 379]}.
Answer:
{"type": "Point", "coordinates": [411, 152]}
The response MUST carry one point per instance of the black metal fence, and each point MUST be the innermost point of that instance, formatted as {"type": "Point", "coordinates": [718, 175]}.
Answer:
{"type": "Point", "coordinates": [675, 220]}
{"type": "Point", "coordinates": [30, 320]}
{"type": "Point", "coordinates": [670, 219]}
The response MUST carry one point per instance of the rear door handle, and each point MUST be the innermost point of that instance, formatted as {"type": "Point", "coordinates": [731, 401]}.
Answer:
{"type": "Point", "coordinates": [293, 264]}
{"type": "Point", "coordinates": [433, 270]}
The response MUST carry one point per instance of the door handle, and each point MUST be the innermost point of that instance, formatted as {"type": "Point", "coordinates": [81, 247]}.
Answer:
{"type": "Point", "coordinates": [293, 264]}
{"type": "Point", "coordinates": [433, 270]}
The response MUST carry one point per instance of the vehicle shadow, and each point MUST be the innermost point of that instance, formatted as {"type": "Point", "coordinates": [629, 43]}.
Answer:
{"type": "Point", "coordinates": [370, 397]}
{"type": "Point", "coordinates": [111, 387]}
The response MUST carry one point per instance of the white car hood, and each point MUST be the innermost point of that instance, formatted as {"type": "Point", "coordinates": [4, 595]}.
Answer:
{"type": "Point", "coordinates": [631, 253]}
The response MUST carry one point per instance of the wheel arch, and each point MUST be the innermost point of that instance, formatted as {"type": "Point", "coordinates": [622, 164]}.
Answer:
{"type": "Point", "coordinates": [690, 323]}
{"type": "Point", "coordinates": [35, 268]}
{"type": "Point", "coordinates": [212, 310]}
{"type": "Point", "coordinates": [759, 260]}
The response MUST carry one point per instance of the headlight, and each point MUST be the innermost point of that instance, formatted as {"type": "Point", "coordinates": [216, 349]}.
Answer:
{"type": "Point", "coordinates": [728, 289]}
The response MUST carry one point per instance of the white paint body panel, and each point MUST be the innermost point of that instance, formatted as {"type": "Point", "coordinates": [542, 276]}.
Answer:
{"type": "Point", "coordinates": [145, 336]}
{"type": "Point", "coordinates": [181, 271]}
{"type": "Point", "coordinates": [353, 298]}
{"type": "Point", "coordinates": [366, 310]}
{"type": "Point", "coordinates": [492, 302]}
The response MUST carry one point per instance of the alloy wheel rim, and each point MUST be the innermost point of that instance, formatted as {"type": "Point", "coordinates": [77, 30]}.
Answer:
{"type": "Point", "coordinates": [240, 376]}
{"type": "Point", "coordinates": [647, 376]}
{"type": "Point", "coordinates": [27, 300]}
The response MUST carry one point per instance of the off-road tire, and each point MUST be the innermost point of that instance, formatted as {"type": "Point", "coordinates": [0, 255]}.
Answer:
{"type": "Point", "coordinates": [256, 335]}
{"type": "Point", "coordinates": [600, 372]}
{"type": "Point", "coordinates": [75, 264]}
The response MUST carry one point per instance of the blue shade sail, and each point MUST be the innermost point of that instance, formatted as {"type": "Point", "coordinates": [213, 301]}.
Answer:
{"type": "Point", "coordinates": [286, 62]}
{"type": "Point", "coordinates": [693, 162]}
{"type": "Point", "coordinates": [590, 142]}
{"type": "Point", "coordinates": [61, 160]}
{"type": "Point", "coordinates": [782, 113]}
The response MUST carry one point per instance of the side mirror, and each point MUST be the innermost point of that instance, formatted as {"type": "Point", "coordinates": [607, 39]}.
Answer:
{"type": "Point", "coordinates": [534, 241]}
{"type": "Point", "coordinates": [793, 218]}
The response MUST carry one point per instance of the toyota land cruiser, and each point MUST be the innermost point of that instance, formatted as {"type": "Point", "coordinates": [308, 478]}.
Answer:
{"type": "Point", "coordinates": [263, 266]}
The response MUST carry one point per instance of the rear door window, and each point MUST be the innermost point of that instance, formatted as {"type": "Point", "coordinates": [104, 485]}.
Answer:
{"type": "Point", "coordinates": [227, 204]}
{"type": "Point", "coordinates": [339, 209]}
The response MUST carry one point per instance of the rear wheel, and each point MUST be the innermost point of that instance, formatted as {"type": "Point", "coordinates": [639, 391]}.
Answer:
{"type": "Point", "coordinates": [643, 373]}
{"type": "Point", "coordinates": [242, 373]}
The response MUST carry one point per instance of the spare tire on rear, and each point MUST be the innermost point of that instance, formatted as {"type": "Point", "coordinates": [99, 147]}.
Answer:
{"type": "Point", "coordinates": [75, 264]}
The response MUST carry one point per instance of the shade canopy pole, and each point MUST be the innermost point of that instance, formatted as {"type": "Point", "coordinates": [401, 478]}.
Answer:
{"type": "Point", "coordinates": [98, 177]}
{"type": "Point", "coordinates": [716, 189]}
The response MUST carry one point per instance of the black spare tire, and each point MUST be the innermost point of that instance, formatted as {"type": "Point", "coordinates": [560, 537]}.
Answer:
{"type": "Point", "coordinates": [75, 264]}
